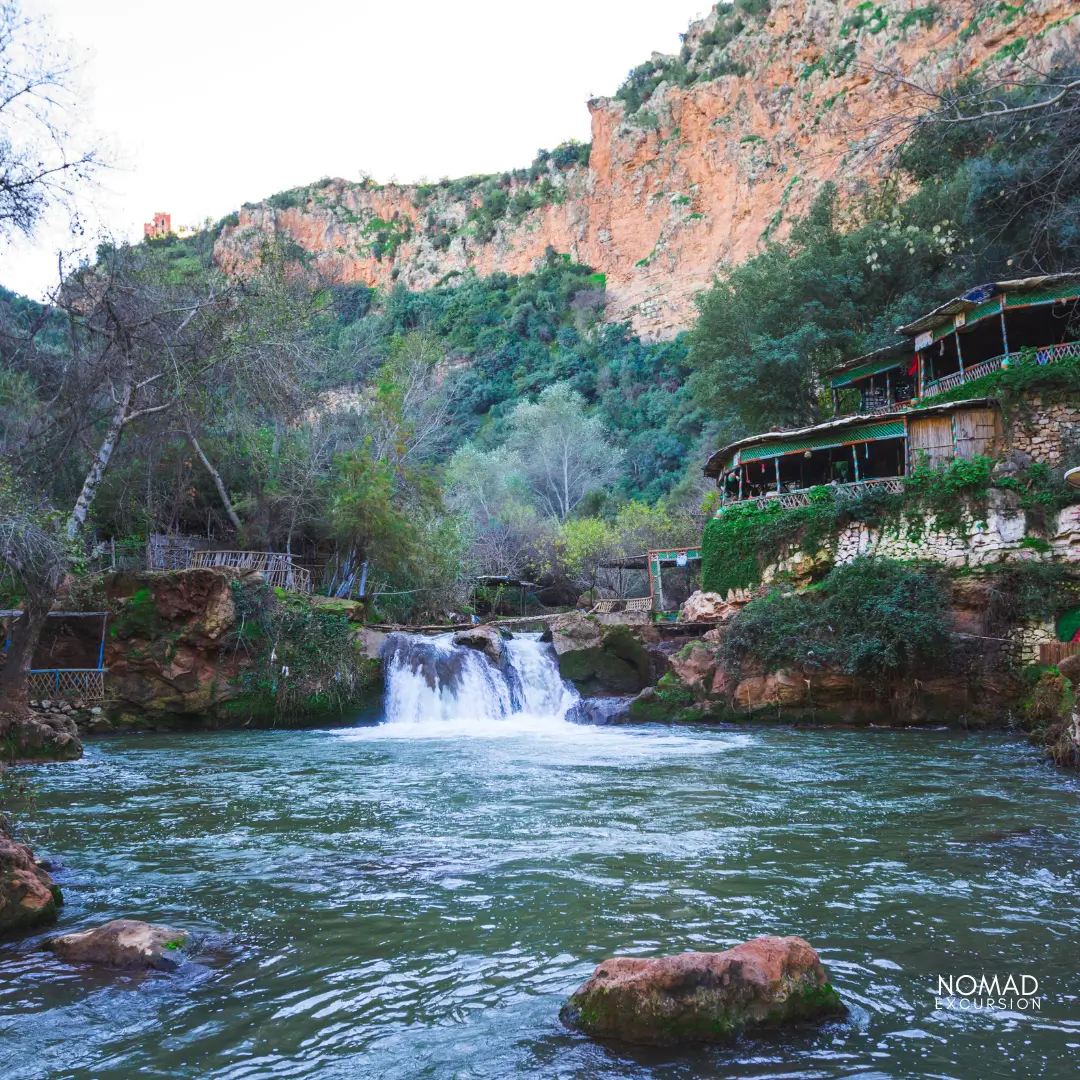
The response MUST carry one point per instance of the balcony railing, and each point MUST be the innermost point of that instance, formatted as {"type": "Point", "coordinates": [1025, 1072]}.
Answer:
{"type": "Point", "coordinates": [958, 378]}
{"type": "Point", "coordinates": [276, 568]}
{"type": "Point", "coordinates": [789, 500]}
{"type": "Point", "coordinates": [893, 406]}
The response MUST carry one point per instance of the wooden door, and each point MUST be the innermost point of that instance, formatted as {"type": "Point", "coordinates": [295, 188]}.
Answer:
{"type": "Point", "coordinates": [931, 440]}
{"type": "Point", "coordinates": [978, 431]}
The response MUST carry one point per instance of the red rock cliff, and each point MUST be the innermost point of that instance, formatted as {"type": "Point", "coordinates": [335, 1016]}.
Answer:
{"type": "Point", "coordinates": [697, 176]}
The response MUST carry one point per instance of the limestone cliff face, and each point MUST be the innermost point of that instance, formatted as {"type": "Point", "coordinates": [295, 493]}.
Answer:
{"type": "Point", "coordinates": [700, 173]}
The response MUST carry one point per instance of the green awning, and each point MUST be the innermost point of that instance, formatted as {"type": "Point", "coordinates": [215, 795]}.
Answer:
{"type": "Point", "coordinates": [855, 374]}
{"type": "Point", "coordinates": [1042, 296]}
{"type": "Point", "coordinates": [883, 429]}
{"type": "Point", "coordinates": [988, 307]}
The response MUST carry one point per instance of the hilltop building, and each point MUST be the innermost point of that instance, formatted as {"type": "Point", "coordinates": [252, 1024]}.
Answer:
{"type": "Point", "coordinates": [160, 226]}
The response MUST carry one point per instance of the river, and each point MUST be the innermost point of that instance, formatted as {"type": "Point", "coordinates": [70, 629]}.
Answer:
{"type": "Point", "coordinates": [418, 899]}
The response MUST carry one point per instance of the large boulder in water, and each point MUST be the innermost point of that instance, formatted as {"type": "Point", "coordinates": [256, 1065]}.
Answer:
{"type": "Point", "coordinates": [28, 896]}
{"type": "Point", "coordinates": [485, 639]}
{"type": "Point", "coordinates": [599, 658]}
{"type": "Point", "coordinates": [769, 982]}
{"type": "Point", "coordinates": [126, 944]}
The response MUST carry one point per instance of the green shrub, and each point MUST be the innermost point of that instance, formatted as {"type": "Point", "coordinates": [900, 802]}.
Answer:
{"type": "Point", "coordinates": [304, 660]}
{"type": "Point", "coordinates": [1029, 590]}
{"type": "Point", "coordinates": [874, 617]}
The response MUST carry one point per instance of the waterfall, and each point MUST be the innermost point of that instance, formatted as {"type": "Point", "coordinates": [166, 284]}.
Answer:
{"type": "Point", "coordinates": [433, 681]}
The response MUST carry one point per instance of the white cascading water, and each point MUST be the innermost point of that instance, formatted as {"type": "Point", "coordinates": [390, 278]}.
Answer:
{"type": "Point", "coordinates": [432, 682]}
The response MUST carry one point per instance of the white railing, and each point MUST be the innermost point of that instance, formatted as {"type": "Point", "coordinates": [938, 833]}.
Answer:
{"type": "Point", "coordinates": [893, 406]}
{"type": "Point", "coordinates": [958, 378]}
{"type": "Point", "coordinates": [276, 568]}
{"type": "Point", "coordinates": [1046, 355]}
{"type": "Point", "coordinates": [85, 683]}
{"type": "Point", "coordinates": [789, 500]}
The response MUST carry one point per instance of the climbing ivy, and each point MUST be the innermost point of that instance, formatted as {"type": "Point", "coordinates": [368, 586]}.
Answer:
{"type": "Point", "coordinates": [744, 539]}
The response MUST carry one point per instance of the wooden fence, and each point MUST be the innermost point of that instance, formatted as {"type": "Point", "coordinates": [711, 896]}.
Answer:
{"type": "Point", "coordinates": [276, 568]}
{"type": "Point", "coordinates": [55, 683]}
{"type": "Point", "coordinates": [1051, 652]}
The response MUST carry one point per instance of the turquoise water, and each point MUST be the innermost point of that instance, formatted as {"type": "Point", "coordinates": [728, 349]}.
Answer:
{"type": "Point", "coordinates": [418, 902]}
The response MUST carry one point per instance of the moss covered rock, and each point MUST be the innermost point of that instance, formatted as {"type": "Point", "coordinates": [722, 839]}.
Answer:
{"type": "Point", "coordinates": [767, 983]}
{"type": "Point", "coordinates": [600, 658]}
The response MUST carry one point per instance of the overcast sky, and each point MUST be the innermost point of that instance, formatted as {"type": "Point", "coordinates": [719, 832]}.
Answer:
{"type": "Point", "coordinates": [205, 104]}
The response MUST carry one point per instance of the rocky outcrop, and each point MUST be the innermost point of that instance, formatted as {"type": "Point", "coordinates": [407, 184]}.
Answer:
{"type": "Point", "coordinates": [976, 686]}
{"type": "Point", "coordinates": [599, 657]}
{"type": "Point", "coordinates": [181, 649]}
{"type": "Point", "coordinates": [167, 652]}
{"type": "Point", "coordinates": [768, 983]}
{"type": "Point", "coordinates": [39, 736]}
{"type": "Point", "coordinates": [601, 712]}
{"type": "Point", "coordinates": [28, 896]}
{"type": "Point", "coordinates": [809, 91]}
{"type": "Point", "coordinates": [712, 607]}
{"type": "Point", "coordinates": [124, 944]}
{"type": "Point", "coordinates": [485, 639]}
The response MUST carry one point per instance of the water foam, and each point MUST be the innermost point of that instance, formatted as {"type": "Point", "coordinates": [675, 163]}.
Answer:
{"type": "Point", "coordinates": [436, 688]}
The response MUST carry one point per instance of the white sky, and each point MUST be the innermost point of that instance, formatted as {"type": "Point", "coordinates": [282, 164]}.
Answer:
{"type": "Point", "coordinates": [205, 104]}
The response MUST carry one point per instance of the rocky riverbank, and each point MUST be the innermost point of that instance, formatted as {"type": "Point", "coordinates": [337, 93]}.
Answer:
{"type": "Point", "coordinates": [199, 649]}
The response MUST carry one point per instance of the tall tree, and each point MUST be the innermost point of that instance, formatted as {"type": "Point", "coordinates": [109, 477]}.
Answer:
{"type": "Point", "coordinates": [42, 157]}
{"type": "Point", "coordinates": [35, 556]}
{"type": "Point", "coordinates": [564, 452]}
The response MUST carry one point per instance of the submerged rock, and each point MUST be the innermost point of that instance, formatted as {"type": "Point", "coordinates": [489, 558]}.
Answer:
{"type": "Point", "coordinates": [769, 982]}
{"type": "Point", "coordinates": [28, 896]}
{"type": "Point", "coordinates": [601, 711]}
{"type": "Point", "coordinates": [127, 944]}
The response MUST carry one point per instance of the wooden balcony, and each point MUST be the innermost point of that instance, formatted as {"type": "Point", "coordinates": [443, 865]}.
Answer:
{"type": "Point", "coordinates": [1048, 355]}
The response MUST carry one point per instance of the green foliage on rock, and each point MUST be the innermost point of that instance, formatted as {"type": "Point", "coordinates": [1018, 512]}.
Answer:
{"type": "Point", "coordinates": [873, 617]}
{"type": "Point", "coordinates": [745, 538]}
{"type": "Point", "coordinates": [304, 661]}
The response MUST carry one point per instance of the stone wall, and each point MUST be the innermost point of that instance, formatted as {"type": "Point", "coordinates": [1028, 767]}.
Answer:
{"type": "Point", "coordinates": [999, 537]}
{"type": "Point", "coordinates": [1045, 431]}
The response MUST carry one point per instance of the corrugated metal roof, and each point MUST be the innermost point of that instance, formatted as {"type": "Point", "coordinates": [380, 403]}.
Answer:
{"type": "Point", "coordinates": [834, 430]}
{"type": "Point", "coordinates": [886, 429]}
{"type": "Point", "coordinates": [981, 294]}
{"type": "Point", "coordinates": [896, 359]}
{"type": "Point", "coordinates": [901, 348]}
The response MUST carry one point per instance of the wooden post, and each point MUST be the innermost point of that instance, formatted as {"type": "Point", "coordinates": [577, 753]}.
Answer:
{"type": "Point", "coordinates": [835, 401]}
{"type": "Point", "coordinates": [740, 482]}
{"type": "Point", "coordinates": [919, 373]}
{"type": "Point", "coordinates": [1004, 332]}
{"type": "Point", "coordinates": [776, 462]}
{"type": "Point", "coordinates": [855, 459]}
{"type": "Point", "coordinates": [888, 388]}
{"type": "Point", "coordinates": [959, 352]}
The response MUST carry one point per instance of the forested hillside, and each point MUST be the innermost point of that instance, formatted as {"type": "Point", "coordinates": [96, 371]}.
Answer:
{"type": "Point", "coordinates": [497, 423]}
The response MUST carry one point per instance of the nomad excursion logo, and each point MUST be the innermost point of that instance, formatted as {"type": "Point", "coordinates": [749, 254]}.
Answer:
{"type": "Point", "coordinates": [981, 993]}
